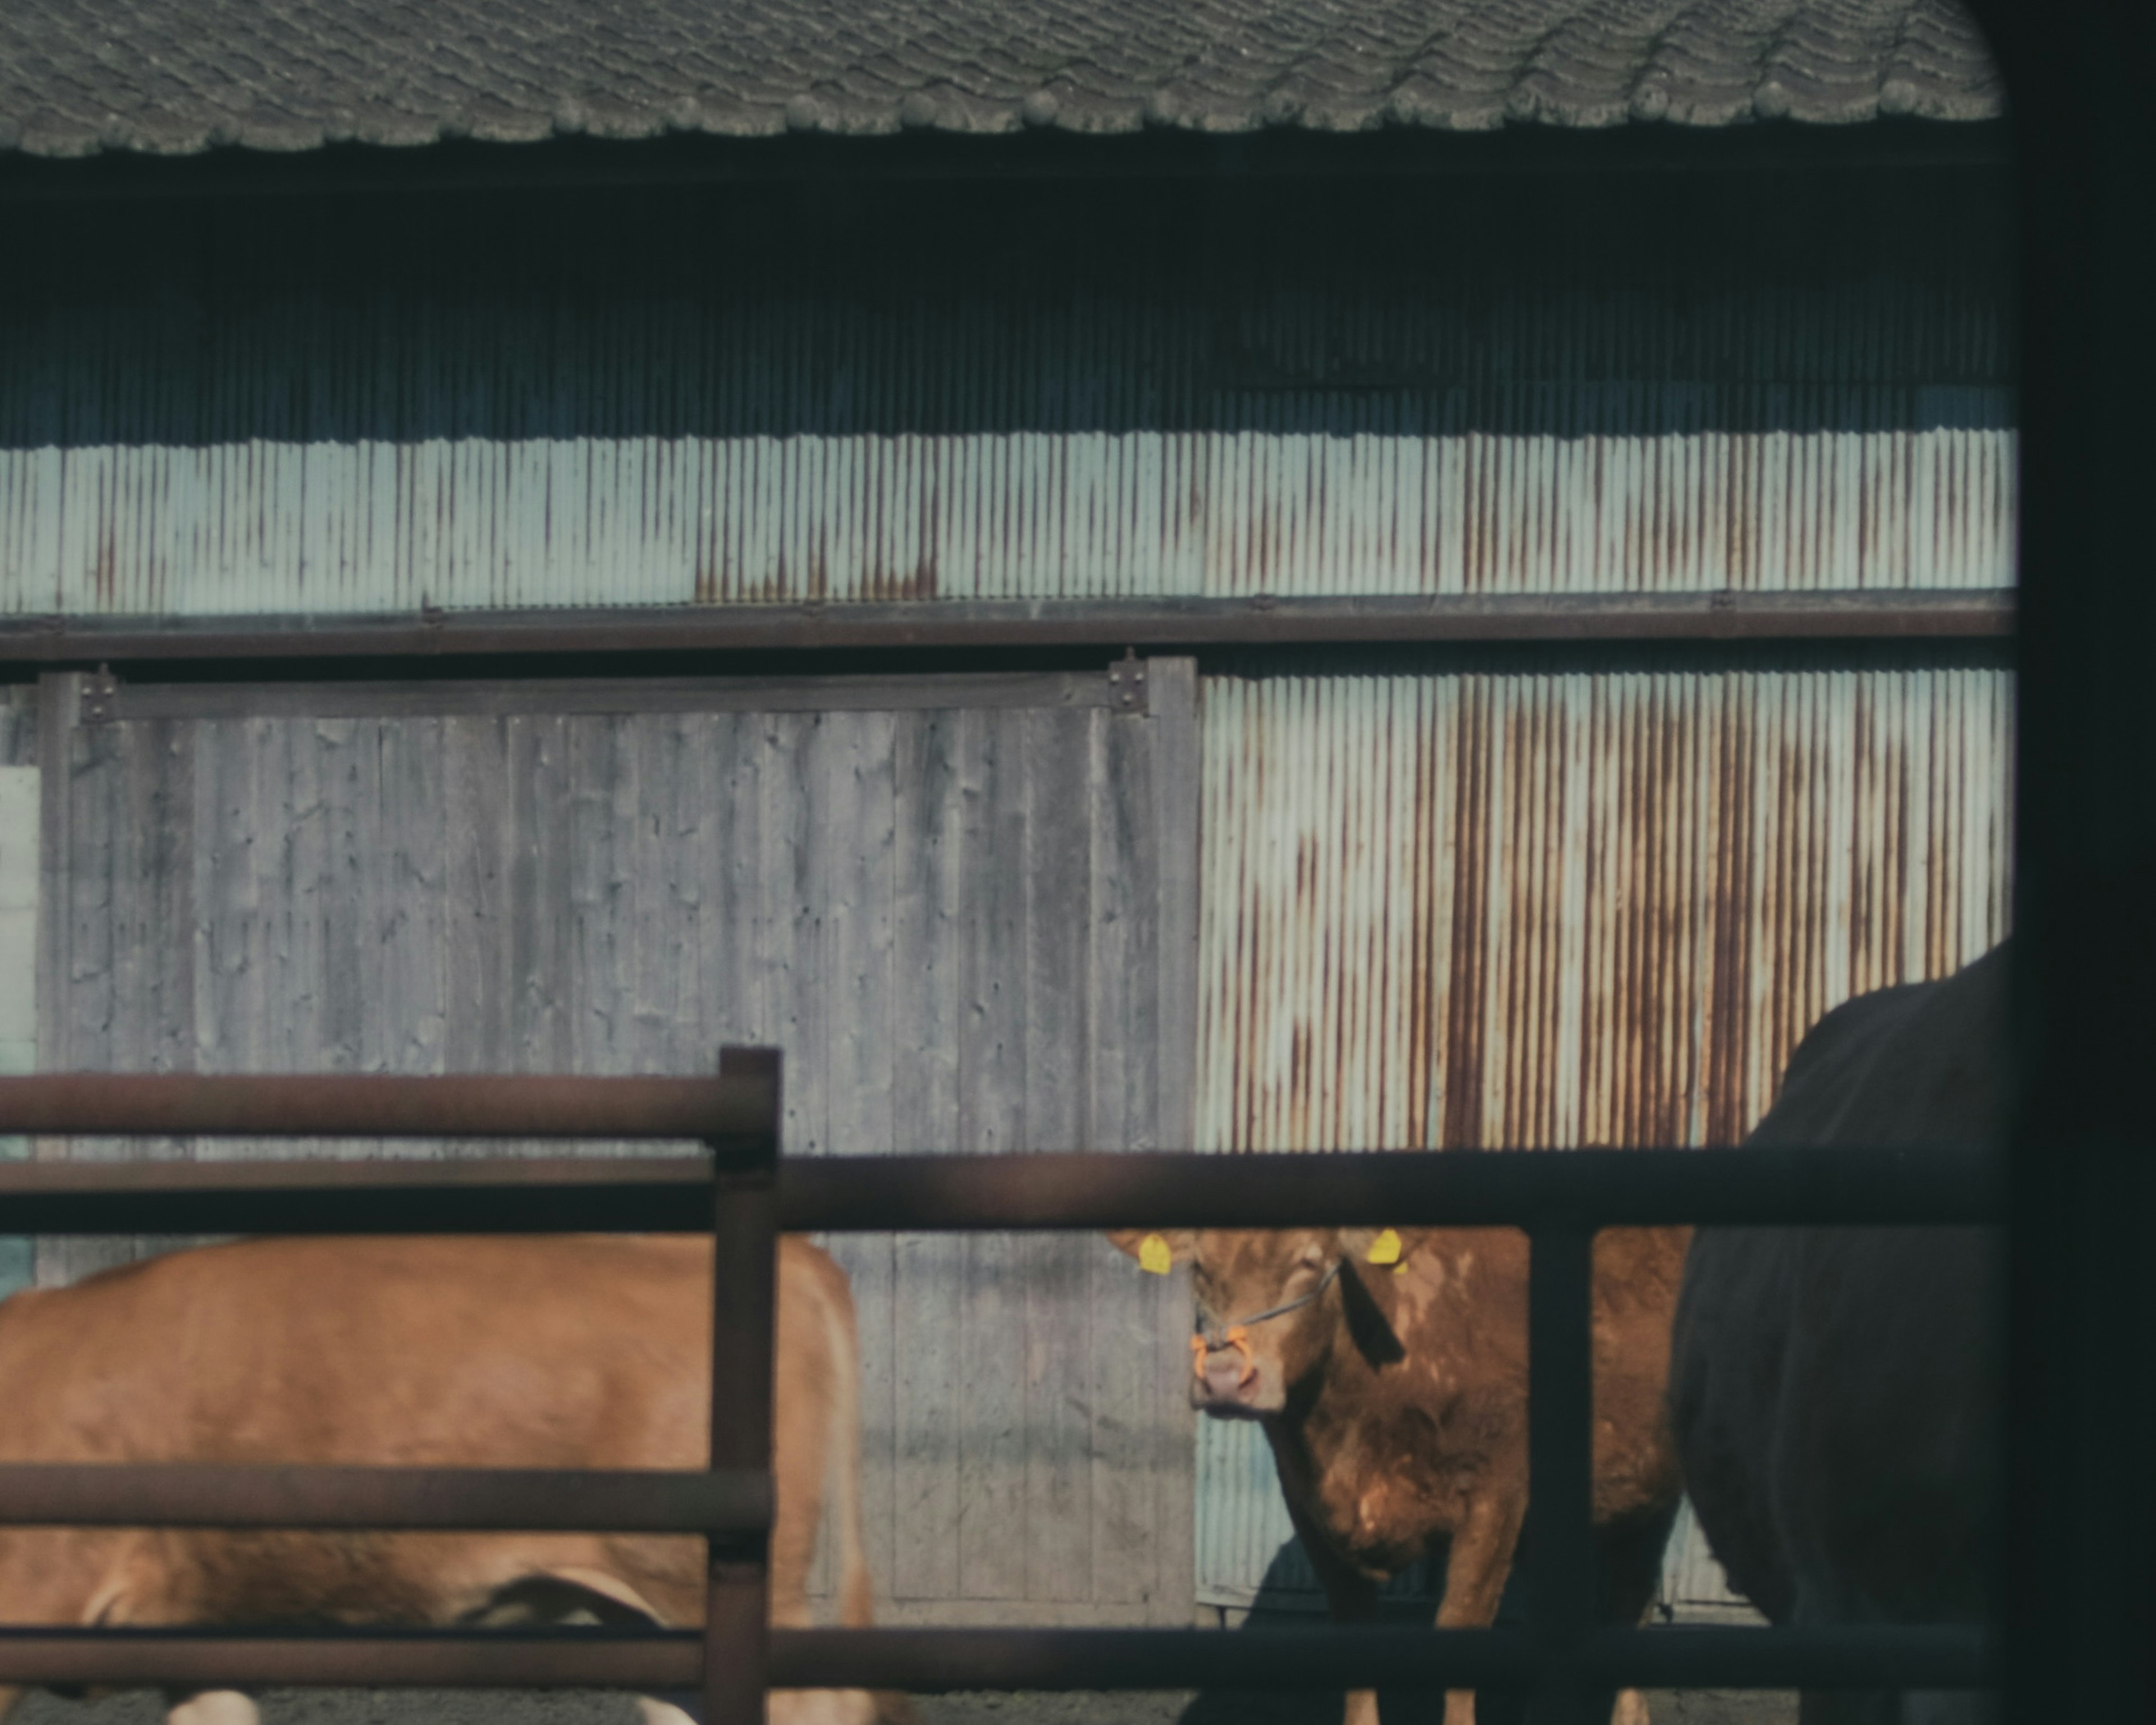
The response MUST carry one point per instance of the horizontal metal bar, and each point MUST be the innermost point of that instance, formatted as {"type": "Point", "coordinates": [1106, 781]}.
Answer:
{"type": "Point", "coordinates": [927, 1660]}
{"type": "Point", "coordinates": [1084, 1190]}
{"type": "Point", "coordinates": [1400, 1188]}
{"type": "Point", "coordinates": [930, 1660]}
{"type": "Point", "coordinates": [505, 1195]}
{"type": "Point", "coordinates": [127, 1658]}
{"type": "Point", "coordinates": [187, 1495]}
{"type": "Point", "coordinates": [1954, 613]}
{"type": "Point", "coordinates": [112, 700]}
{"type": "Point", "coordinates": [1866, 1656]}
{"type": "Point", "coordinates": [314, 1105]}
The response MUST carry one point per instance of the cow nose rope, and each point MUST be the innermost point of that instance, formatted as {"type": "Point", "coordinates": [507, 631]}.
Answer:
{"type": "Point", "coordinates": [1237, 1335]}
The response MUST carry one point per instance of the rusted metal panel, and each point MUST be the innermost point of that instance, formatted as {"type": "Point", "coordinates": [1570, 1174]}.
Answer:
{"type": "Point", "coordinates": [1562, 909]}
{"type": "Point", "coordinates": [1565, 908]}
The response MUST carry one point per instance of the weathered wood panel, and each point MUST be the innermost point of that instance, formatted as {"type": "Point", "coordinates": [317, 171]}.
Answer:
{"type": "Point", "coordinates": [20, 820]}
{"type": "Point", "coordinates": [949, 919]}
{"type": "Point", "coordinates": [18, 725]}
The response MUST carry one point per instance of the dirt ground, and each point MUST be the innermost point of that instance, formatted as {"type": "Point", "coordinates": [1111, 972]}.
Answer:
{"type": "Point", "coordinates": [301, 1706]}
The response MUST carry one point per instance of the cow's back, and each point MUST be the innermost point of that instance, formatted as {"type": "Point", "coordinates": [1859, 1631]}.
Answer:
{"type": "Point", "coordinates": [500, 1351]}
{"type": "Point", "coordinates": [554, 1352]}
{"type": "Point", "coordinates": [1833, 1391]}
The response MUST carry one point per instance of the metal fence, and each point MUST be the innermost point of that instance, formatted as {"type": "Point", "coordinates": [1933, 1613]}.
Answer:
{"type": "Point", "coordinates": [745, 1197]}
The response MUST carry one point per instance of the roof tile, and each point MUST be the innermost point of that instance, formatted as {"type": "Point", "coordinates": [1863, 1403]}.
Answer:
{"type": "Point", "coordinates": [174, 77]}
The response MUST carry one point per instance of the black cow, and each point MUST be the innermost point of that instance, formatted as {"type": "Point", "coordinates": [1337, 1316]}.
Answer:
{"type": "Point", "coordinates": [1836, 1392]}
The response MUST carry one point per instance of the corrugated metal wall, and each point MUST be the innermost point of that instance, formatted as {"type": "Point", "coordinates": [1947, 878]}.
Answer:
{"type": "Point", "coordinates": [1574, 908]}
{"type": "Point", "coordinates": [1545, 907]}
{"type": "Point", "coordinates": [425, 415]}
{"type": "Point", "coordinates": [958, 916]}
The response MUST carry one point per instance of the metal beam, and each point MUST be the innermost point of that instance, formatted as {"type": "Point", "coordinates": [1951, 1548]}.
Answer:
{"type": "Point", "coordinates": [1946, 614]}
{"type": "Point", "coordinates": [1813, 1187]}
{"type": "Point", "coordinates": [874, 1194]}
{"type": "Point", "coordinates": [1562, 1594]}
{"type": "Point", "coordinates": [123, 1658]}
{"type": "Point", "coordinates": [928, 1660]}
{"type": "Point", "coordinates": [316, 1104]}
{"type": "Point", "coordinates": [735, 1503]}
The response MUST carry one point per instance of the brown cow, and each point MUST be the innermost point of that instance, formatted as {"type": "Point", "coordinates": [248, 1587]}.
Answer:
{"type": "Point", "coordinates": [1837, 1391]}
{"type": "Point", "coordinates": [1396, 1402]}
{"type": "Point", "coordinates": [558, 1352]}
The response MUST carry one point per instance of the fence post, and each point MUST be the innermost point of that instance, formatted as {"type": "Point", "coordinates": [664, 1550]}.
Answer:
{"type": "Point", "coordinates": [1563, 1585]}
{"type": "Point", "coordinates": [744, 1342]}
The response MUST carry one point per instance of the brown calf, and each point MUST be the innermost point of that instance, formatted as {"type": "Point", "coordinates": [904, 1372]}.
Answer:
{"type": "Point", "coordinates": [1395, 1399]}
{"type": "Point", "coordinates": [546, 1352]}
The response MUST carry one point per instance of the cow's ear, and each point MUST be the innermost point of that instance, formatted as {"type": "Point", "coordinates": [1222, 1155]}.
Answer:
{"type": "Point", "coordinates": [1384, 1248]}
{"type": "Point", "coordinates": [1156, 1249]}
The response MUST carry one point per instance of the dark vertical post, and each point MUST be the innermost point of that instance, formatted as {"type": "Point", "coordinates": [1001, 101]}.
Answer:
{"type": "Point", "coordinates": [2080, 1498]}
{"type": "Point", "coordinates": [744, 1341]}
{"type": "Point", "coordinates": [1561, 1556]}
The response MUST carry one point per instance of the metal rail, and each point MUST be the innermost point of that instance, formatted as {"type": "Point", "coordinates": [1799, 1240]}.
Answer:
{"type": "Point", "coordinates": [1947, 614]}
{"type": "Point", "coordinates": [1564, 1657]}
{"type": "Point", "coordinates": [930, 1660]}
{"type": "Point", "coordinates": [926, 1661]}
{"type": "Point", "coordinates": [844, 1195]}
{"type": "Point", "coordinates": [731, 1503]}
{"type": "Point", "coordinates": [493, 1105]}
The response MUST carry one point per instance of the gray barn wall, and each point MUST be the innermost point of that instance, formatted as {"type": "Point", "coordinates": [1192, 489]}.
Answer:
{"type": "Point", "coordinates": [1441, 388]}
{"type": "Point", "coordinates": [681, 399]}
{"type": "Point", "coordinates": [18, 725]}
{"type": "Point", "coordinates": [19, 867]}
{"type": "Point", "coordinates": [965, 909]}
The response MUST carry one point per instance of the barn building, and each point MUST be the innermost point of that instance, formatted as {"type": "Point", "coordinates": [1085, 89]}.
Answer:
{"type": "Point", "coordinates": [1274, 576]}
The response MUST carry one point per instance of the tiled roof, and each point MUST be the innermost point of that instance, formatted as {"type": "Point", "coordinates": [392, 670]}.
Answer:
{"type": "Point", "coordinates": [172, 77]}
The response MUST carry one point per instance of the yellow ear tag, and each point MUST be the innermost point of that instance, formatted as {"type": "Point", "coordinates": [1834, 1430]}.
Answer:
{"type": "Point", "coordinates": [1385, 1249]}
{"type": "Point", "coordinates": [1154, 1255]}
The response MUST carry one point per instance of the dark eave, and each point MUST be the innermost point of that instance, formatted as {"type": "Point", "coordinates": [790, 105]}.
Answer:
{"type": "Point", "coordinates": [467, 165]}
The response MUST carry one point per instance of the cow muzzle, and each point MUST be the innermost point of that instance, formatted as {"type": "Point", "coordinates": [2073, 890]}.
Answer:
{"type": "Point", "coordinates": [1225, 1370]}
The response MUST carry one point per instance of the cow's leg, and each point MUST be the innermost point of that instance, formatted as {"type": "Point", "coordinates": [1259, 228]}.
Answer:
{"type": "Point", "coordinates": [1350, 1597]}
{"type": "Point", "coordinates": [1475, 1569]}
{"type": "Point", "coordinates": [1631, 1708]}
{"type": "Point", "coordinates": [1632, 1572]}
{"type": "Point", "coordinates": [215, 1706]}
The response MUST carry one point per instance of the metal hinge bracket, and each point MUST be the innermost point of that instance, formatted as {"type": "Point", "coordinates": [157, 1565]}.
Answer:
{"type": "Point", "coordinates": [100, 700]}
{"type": "Point", "coordinates": [1126, 684]}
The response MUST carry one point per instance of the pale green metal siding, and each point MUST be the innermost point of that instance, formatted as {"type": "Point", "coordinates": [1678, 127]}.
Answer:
{"type": "Point", "coordinates": [222, 422]}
